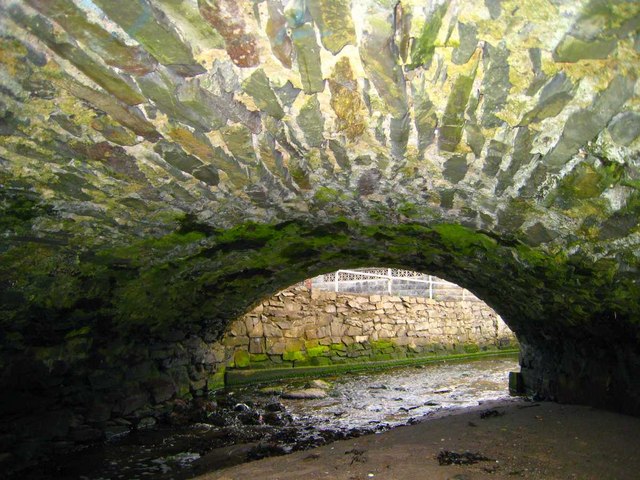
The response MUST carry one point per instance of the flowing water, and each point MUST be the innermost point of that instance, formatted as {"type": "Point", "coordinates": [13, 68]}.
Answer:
{"type": "Point", "coordinates": [251, 422]}
{"type": "Point", "coordinates": [394, 397]}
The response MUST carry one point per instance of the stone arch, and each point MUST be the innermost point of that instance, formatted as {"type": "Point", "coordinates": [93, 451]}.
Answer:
{"type": "Point", "coordinates": [563, 308]}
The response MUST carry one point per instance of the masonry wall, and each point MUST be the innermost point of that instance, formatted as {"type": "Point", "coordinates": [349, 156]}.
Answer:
{"type": "Point", "coordinates": [297, 327]}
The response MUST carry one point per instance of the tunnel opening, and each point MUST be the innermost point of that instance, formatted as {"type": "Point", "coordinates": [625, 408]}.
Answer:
{"type": "Point", "coordinates": [367, 318]}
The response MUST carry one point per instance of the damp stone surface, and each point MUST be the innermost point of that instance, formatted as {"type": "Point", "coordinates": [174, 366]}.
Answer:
{"type": "Point", "coordinates": [166, 165]}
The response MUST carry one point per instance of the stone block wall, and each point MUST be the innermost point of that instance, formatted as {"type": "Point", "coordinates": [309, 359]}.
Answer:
{"type": "Point", "coordinates": [297, 327]}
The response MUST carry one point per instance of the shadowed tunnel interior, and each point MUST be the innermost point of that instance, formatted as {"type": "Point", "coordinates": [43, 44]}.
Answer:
{"type": "Point", "coordinates": [166, 165]}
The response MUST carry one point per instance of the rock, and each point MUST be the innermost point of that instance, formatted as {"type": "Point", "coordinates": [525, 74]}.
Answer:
{"type": "Point", "coordinates": [625, 128]}
{"type": "Point", "coordinates": [99, 412]}
{"type": "Point", "coordinates": [217, 419]}
{"type": "Point", "coordinates": [311, 122]}
{"type": "Point", "coordinates": [104, 379]}
{"type": "Point", "coordinates": [308, 55]}
{"type": "Point", "coordinates": [122, 422]}
{"type": "Point", "coordinates": [271, 390]}
{"type": "Point", "coordinates": [6, 459]}
{"type": "Point", "coordinates": [161, 250]}
{"type": "Point", "coordinates": [445, 457]}
{"type": "Point", "coordinates": [114, 432]}
{"type": "Point", "coordinates": [305, 394]}
{"type": "Point", "coordinates": [274, 407]}
{"type": "Point", "coordinates": [378, 387]}
{"type": "Point", "coordinates": [443, 390]}
{"type": "Point", "coordinates": [257, 85]}
{"type": "Point", "coordinates": [133, 403]}
{"type": "Point", "coordinates": [491, 413]}
{"type": "Point", "coordinates": [161, 389]}
{"type": "Point", "coordinates": [147, 422]}
{"type": "Point", "coordinates": [250, 418]}
{"type": "Point", "coordinates": [321, 384]}
{"type": "Point", "coordinates": [85, 434]}
{"type": "Point", "coordinates": [241, 407]}
{"type": "Point", "coordinates": [274, 418]}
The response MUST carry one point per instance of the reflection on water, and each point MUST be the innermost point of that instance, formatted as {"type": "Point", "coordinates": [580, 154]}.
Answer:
{"type": "Point", "coordinates": [395, 396]}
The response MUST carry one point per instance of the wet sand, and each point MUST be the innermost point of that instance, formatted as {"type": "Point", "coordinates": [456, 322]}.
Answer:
{"type": "Point", "coordinates": [524, 440]}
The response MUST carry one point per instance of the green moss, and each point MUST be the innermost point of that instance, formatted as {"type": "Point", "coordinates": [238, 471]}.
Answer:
{"type": "Point", "coordinates": [317, 351]}
{"type": "Point", "coordinates": [346, 101]}
{"type": "Point", "coordinates": [244, 377]}
{"type": "Point", "coordinates": [587, 181]}
{"type": "Point", "coordinates": [311, 344]}
{"type": "Point", "coordinates": [338, 347]}
{"type": "Point", "coordinates": [294, 356]}
{"type": "Point", "coordinates": [408, 209]}
{"type": "Point", "coordinates": [78, 332]}
{"type": "Point", "coordinates": [424, 46]}
{"type": "Point", "coordinates": [471, 348]}
{"type": "Point", "coordinates": [326, 195]}
{"type": "Point", "coordinates": [18, 211]}
{"type": "Point", "coordinates": [381, 344]}
{"type": "Point", "coordinates": [463, 238]}
{"type": "Point", "coordinates": [241, 359]}
{"type": "Point", "coordinates": [381, 357]}
{"type": "Point", "coordinates": [258, 357]}
{"type": "Point", "coordinates": [318, 361]}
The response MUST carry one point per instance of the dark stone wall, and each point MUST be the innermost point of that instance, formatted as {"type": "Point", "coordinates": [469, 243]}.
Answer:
{"type": "Point", "coordinates": [50, 404]}
{"type": "Point", "coordinates": [584, 372]}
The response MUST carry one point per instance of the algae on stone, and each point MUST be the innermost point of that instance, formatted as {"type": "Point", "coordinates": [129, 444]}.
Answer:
{"type": "Point", "coordinates": [307, 54]}
{"type": "Point", "coordinates": [333, 18]}
{"type": "Point", "coordinates": [346, 100]}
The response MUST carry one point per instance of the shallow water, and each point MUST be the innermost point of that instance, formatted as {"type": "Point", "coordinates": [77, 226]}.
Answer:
{"type": "Point", "coordinates": [393, 397]}
{"type": "Point", "coordinates": [243, 424]}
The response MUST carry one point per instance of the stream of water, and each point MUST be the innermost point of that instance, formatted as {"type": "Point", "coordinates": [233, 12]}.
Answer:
{"type": "Point", "coordinates": [249, 423]}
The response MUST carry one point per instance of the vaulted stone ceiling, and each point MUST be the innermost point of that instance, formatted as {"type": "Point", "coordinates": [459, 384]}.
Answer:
{"type": "Point", "coordinates": [156, 154]}
{"type": "Point", "coordinates": [124, 115]}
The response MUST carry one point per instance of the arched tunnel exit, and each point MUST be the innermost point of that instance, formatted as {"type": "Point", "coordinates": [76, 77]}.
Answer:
{"type": "Point", "coordinates": [362, 320]}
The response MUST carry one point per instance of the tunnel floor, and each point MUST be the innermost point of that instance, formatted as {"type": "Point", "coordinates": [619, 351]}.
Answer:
{"type": "Point", "coordinates": [250, 423]}
{"type": "Point", "coordinates": [526, 440]}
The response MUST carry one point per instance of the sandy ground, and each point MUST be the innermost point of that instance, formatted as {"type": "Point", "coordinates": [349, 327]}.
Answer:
{"type": "Point", "coordinates": [527, 440]}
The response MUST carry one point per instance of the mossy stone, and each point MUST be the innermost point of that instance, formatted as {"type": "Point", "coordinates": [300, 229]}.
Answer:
{"type": "Point", "coordinates": [317, 351]}
{"type": "Point", "coordinates": [471, 348]}
{"type": "Point", "coordinates": [241, 359]}
{"type": "Point", "coordinates": [294, 356]}
{"type": "Point", "coordinates": [382, 344]}
{"type": "Point", "coordinates": [320, 361]}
